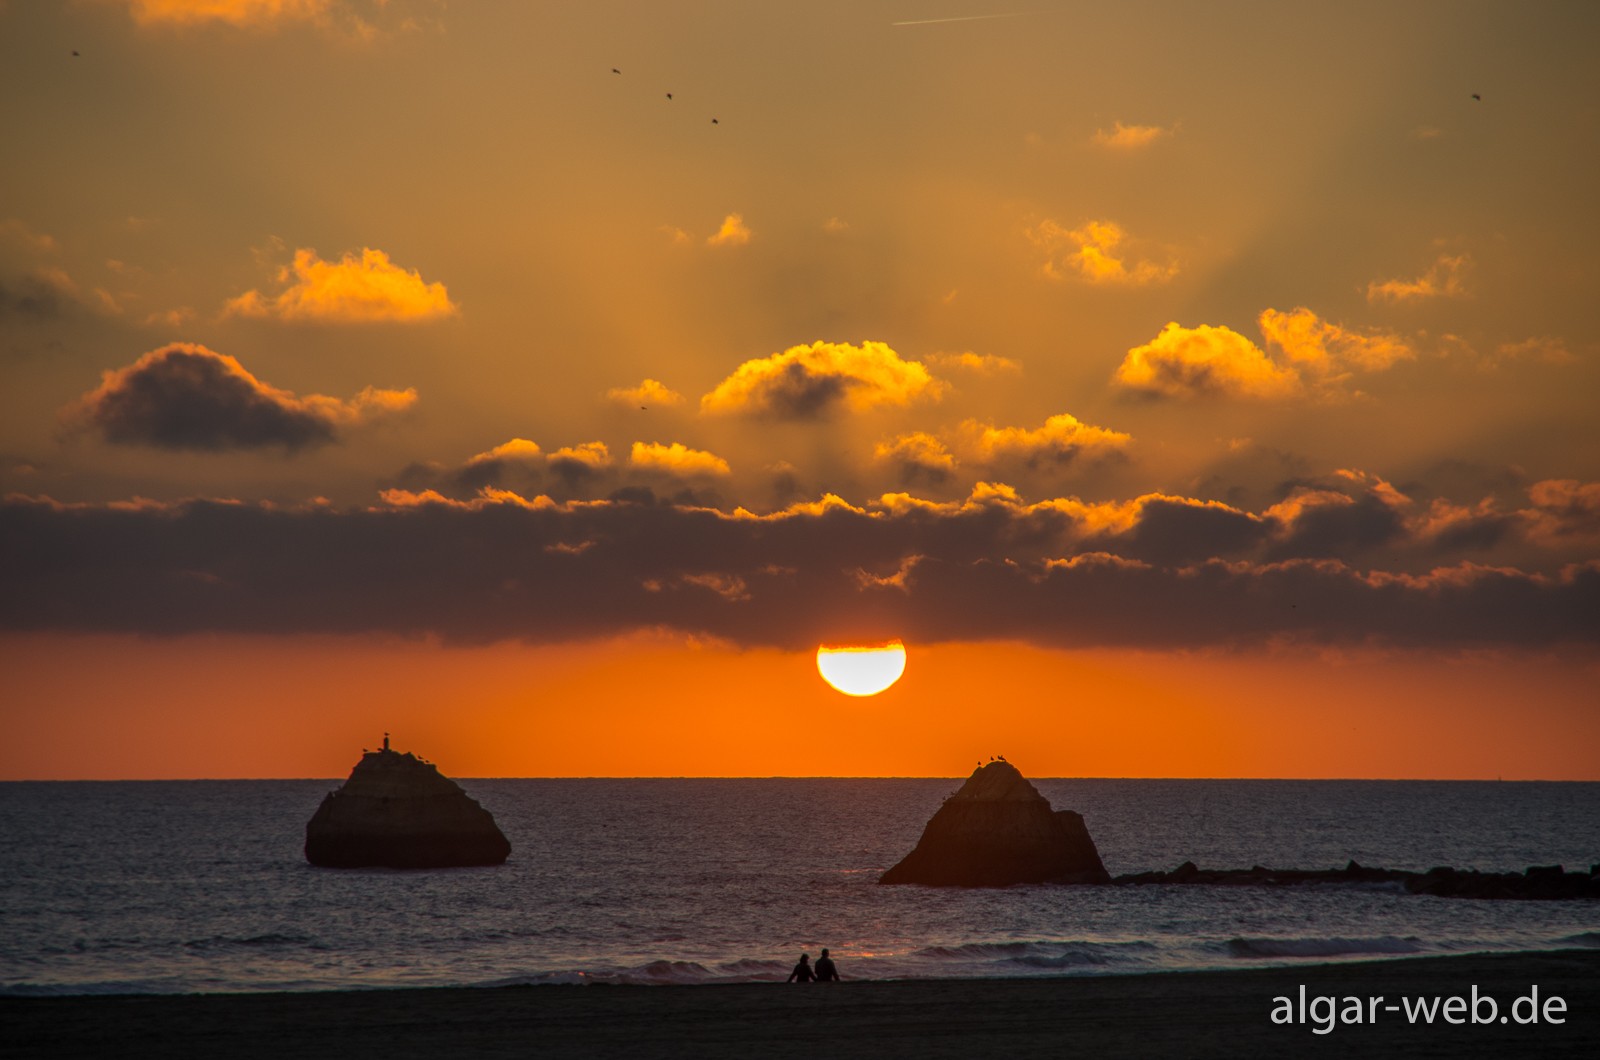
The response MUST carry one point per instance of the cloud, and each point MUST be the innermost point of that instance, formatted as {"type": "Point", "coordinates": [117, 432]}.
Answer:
{"type": "Point", "coordinates": [1564, 511]}
{"type": "Point", "coordinates": [1059, 441]}
{"type": "Point", "coordinates": [733, 233]}
{"type": "Point", "coordinates": [1314, 356]}
{"type": "Point", "coordinates": [579, 463]}
{"type": "Point", "coordinates": [352, 290]}
{"type": "Point", "coordinates": [1129, 137]}
{"type": "Point", "coordinates": [991, 568]}
{"type": "Point", "coordinates": [1442, 280]}
{"type": "Point", "coordinates": [1204, 361]}
{"type": "Point", "coordinates": [234, 12]}
{"type": "Point", "coordinates": [818, 381]}
{"type": "Point", "coordinates": [650, 392]}
{"type": "Point", "coordinates": [676, 459]}
{"type": "Point", "coordinates": [1095, 253]}
{"type": "Point", "coordinates": [1545, 349]}
{"type": "Point", "coordinates": [976, 363]}
{"type": "Point", "coordinates": [361, 19]}
{"type": "Point", "coordinates": [15, 231]}
{"type": "Point", "coordinates": [918, 456]}
{"type": "Point", "coordinates": [185, 396]}
{"type": "Point", "coordinates": [43, 294]}
{"type": "Point", "coordinates": [1324, 350]}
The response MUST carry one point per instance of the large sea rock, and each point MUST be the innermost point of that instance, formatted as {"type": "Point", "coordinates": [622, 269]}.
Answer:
{"type": "Point", "coordinates": [397, 811]}
{"type": "Point", "coordinates": [998, 831]}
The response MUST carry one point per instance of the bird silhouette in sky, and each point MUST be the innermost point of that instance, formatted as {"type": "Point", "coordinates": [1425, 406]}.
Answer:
{"type": "Point", "coordinates": [74, 54]}
{"type": "Point", "coordinates": [713, 121]}
{"type": "Point", "coordinates": [1474, 95]}
{"type": "Point", "coordinates": [615, 70]}
{"type": "Point", "coordinates": [669, 95]}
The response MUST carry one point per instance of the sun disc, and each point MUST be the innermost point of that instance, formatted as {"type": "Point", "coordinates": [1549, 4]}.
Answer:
{"type": "Point", "coordinates": [862, 669]}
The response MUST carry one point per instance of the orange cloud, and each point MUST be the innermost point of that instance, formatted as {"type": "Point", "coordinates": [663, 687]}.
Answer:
{"type": "Point", "coordinates": [918, 455]}
{"type": "Point", "coordinates": [1204, 361]}
{"type": "Point", "coordinates": [1546, 349]}
{"type": "Point", "coordinates": [1442, 280]}
{"type": "Point", "coordinates": [649, 392]}
{"type": "Point", "coordinates": [1062, 438]}
{"type": "Point", "coordinates": [811, 382]}
{"type": "Point", "coordinates": [15, 231]}
{"type": "Point", "coordinates": [733, 233]}
{"type": "Point", "coordinates": [1095, 253]}
{"type": "Point", "coordinates": [676, 459]}
{"type": "Point", "coordinates": [185, 396]}
{"type": "Point", "coordinates": [580, 461]}
{"type": "Point", "coordinates": [1565, 511]}
{"type": "Point", "coordinates": [1325, 349]}
{"type": "Point", "coordinates": [976, 363]}
{"type": "Point", "coordinates": [1314, 356]}
{"type": "Point", "coordinates": [1129, 137]}
{"type": "Point", "coordinates": [361, 19]}
{"type": "Point", "coordinates": [515, 449]}
{"type": "Point", "coordinates": [352, 290]}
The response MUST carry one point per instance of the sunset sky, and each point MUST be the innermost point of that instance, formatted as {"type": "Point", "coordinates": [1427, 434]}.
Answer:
{"type": "Point", "coordinates": [1195, 389]}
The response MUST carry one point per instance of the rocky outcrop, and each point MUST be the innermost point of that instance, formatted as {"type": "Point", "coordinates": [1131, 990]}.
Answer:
{"type": "Point", "coordinates": [998, 831]}
{"type": "Point", "coordinates": [1539, 883]}
{"type": "Point", "coordinates": [397, 811]}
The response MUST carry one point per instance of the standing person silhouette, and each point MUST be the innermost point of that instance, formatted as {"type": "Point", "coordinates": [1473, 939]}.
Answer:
{"type": "Point", "coordinates": [802, 972]}
{"type": "Point", "coordinates": [826, 972]}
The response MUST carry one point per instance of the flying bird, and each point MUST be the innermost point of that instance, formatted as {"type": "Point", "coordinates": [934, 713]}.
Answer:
{"type": "Point", "coordinates": [615, 70]}
{"type": "Point", "coordinates": [713, 121]}
{"type": "Point", "coordinates": [1474, 95]}
{"type": "Point", "coordinates": [74, 54]}
{"type": "Point", "coordinates": [669, 95]}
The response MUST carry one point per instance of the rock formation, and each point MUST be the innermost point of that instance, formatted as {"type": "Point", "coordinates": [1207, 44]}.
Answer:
{"type": "Point", "coordinates": [397, 811]}
{"type": "Point", "coordinates": [997, 831]}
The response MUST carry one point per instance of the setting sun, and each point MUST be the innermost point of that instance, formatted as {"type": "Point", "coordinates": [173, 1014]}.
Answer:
{"type": "Point", "coordinates": [862, 670]}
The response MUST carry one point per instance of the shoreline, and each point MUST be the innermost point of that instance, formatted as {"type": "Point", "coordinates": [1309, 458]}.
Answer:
{"type": "Point", "coordinates": [1191, 1013]}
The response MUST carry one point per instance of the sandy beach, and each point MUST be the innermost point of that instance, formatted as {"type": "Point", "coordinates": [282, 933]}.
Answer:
{"type": "Point", "coordinates": [1171, 1014]}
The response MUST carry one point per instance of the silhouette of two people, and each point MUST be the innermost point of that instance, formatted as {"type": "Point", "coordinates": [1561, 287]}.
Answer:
{"type": "Point", "coordinates": [824, 972]}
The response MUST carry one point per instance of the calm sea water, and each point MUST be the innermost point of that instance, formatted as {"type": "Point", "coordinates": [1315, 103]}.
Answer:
{"type": "Point", "coordinates": [154, 887]}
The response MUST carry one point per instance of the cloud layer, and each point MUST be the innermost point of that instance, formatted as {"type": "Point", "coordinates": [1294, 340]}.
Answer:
{"type": "Point", "coordinates": [185, 396]}
{"type": "Point", "coordinates": [1156, 571]}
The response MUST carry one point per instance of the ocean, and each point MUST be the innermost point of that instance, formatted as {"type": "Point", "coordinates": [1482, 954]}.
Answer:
{"type": "Point", "coordinates": [202, 886]}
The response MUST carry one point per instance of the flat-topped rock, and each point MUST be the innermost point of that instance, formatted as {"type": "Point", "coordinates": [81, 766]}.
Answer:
{"type": "Point", "coordinates": [398, 811]}
{"type": "Point", "coordinates": [998, 831]}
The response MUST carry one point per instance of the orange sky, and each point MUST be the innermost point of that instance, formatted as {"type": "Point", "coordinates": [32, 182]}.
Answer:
{"type": "Point", "coordinates": [116, 707]}
{"type": "Point", "coordinates": [1198, 390]}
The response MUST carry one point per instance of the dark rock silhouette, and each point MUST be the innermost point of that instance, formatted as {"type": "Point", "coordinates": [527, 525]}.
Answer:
{"type": "Point", "coordinates": [1539, 883]}
{"type": "Point", "coordinates": [998, 831]}
{"type": "Point", "coordinates": [397, 811]}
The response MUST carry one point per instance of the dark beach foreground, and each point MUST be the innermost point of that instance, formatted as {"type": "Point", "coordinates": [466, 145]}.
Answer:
{"type": "Point", "coordinates": [1168, 1014]}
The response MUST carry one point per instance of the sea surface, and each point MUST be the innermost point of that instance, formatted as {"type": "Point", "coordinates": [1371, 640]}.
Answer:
{"type": "Point", "coordinates": [162, 887]}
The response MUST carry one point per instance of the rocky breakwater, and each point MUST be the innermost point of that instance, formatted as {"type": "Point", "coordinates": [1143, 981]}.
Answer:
{"type": "Point", "coordinates": [397, 811]}
{"type": "Point", "coordinates": [998, 831]}
{"type": "Point", "coordinates": [1538, 883]}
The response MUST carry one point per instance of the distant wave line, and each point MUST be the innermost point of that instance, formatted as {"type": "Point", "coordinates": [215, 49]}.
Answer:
{"type": "Point", "coordinates": [957, 18]}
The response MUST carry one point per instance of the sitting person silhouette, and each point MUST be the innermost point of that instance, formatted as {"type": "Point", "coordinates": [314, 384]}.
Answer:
{"type": "Point", "coordinates": [802, 972]}
{"type": "Point", "coordinates": [826, 972]}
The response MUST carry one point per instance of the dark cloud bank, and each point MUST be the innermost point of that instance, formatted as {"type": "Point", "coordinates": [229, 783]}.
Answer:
{"type": "Point", "coordinates": [545, 573]}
